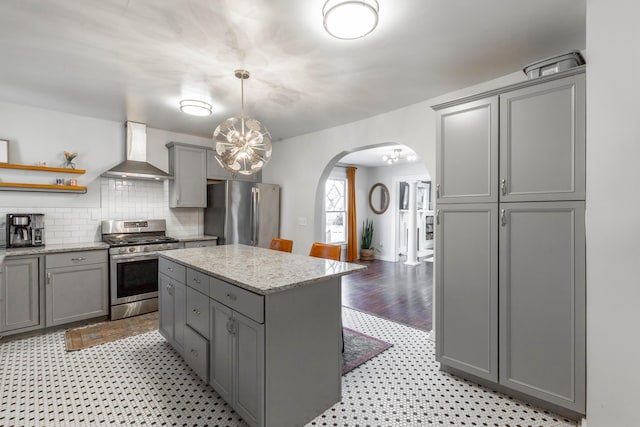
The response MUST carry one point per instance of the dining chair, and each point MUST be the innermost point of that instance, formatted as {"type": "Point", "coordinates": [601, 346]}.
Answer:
{"type": "Point", "coordinates": [283, 245]}
{"type": "Point", "coordinates": [323, 250]}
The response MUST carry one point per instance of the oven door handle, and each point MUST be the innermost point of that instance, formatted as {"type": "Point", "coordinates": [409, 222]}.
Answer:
{"type": "Point", "coordinates": [130, 257]}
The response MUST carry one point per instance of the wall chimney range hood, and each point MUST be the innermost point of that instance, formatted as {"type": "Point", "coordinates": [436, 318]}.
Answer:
{"type": "Point", "coordinates": [136, 166]}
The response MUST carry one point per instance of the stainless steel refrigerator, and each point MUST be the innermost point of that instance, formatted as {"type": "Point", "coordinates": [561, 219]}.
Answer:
{"type": "Point", "coordinates": [242, 212]}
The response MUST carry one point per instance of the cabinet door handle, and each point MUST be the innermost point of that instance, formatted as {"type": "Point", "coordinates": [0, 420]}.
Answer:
{"type": "Point", "coordinates": [196, 311]}
{"type": "Point", "coordinates": [48, 278]}
{"type": "Point", "coordinates": [196, 280]}
{"type": "Point", "coordinates": [194, 352]}
{"type": "Point", "coordinates": [232, 297]}
{"type": "Point", "coordinates": [170, 289]}
{"type": "Point", "coordinates": [437, 191]}
{"type": "Point", "coordinates": [438, 217]}
{"type": "Point", "coordinates": [503, 186]}
{"type": "Point", "coordinates": [503, 217]}
{"type": "Point", "coordinates": [231, 326]}
{"type": "Point", "coordinates": [78, 259]}
{"type": "Point", "coordinates": [170, 269]}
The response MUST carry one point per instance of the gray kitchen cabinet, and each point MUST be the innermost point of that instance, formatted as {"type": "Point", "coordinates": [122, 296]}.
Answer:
{"type": "Point", "coordinates": [542, 301]}
{"type": "Point", "coordinates": [173, 304]}
{"type": "Point", "coordinates": [21, 309]}
{"type": "Point", "coordinates": [514, 317]}
{"type": "Point", "coordinates": [542, 141]}
{"type": "Point", "coordinates": [467, 152]}
{"type": "Point", "coordinates": [264, 351]}
{"type": "Point", "coordinates": [215, 171]}
{"type": "Point", "coordinates": [188, 165]}
{"type": "Point", "coordinates": [467, 288]}
{"type": "Point", "coordinates": [77, 286]}
{"type": "Point", "coordinates": [237, 361]}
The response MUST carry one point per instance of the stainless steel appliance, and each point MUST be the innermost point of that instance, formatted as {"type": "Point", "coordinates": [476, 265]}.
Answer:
{"type": "Point", "coordinates": [25, 230]}
{"type": "Point", "coordinates": [242, 212]}
{"type": "Point", "coordinates": [133, 264]}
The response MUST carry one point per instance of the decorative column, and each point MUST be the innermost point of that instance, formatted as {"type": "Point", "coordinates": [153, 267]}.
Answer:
{"type": "Point", "coordinates": [412, 256]}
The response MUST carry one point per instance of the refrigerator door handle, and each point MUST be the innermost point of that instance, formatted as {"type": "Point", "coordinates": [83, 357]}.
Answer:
{"type": "Point", "coordinates": [255, 220]}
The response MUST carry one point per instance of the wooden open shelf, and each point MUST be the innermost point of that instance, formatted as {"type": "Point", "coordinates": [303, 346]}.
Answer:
{"type": "Point", "coordinates": [41, 168]}
{"type": "Point", "coordinates": [16, 186]}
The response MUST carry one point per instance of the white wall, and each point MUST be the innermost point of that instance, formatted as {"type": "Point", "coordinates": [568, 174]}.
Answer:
{"type": "Point", "coordinates": [613, 213]}
{"type": "Point", "coordinates": [36, 135]}
{"type": "Point", "coordinates": [298, 163]}
{"type": "Point", "coordinates": [386, 224]}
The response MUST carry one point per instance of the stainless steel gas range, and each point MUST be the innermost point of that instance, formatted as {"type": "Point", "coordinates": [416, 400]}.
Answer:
{"type": "Point", "coordinates": [133, 264]}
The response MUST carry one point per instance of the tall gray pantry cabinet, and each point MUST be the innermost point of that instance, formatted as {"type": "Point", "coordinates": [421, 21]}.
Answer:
{"type": "Point", "coordinates": [510, 242]}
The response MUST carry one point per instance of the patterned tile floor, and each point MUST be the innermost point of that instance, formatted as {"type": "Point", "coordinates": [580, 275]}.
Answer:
{"type": "Point", "coordinates": [141, 381]}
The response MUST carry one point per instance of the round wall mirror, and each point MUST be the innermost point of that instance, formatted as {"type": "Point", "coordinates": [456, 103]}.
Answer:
{"type": "Point", "coordinates": [379, 198]}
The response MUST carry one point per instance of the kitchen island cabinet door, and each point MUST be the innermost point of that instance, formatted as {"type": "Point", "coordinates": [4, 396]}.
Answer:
{"type": "Point", "coordinates": [220, 349]}
{"type": "Point", "coordinates": [542, 301]}
{"type": "Point", "coordinates": [173, 311]}
{"type": "Point", "coordinates": [237, 361]}
{"type": "Point", "coordinates": [20, 295]}
{"type": "Point", "coordinates": [248, 372]}
{"type": "Point", "coordinates": [76, 293]}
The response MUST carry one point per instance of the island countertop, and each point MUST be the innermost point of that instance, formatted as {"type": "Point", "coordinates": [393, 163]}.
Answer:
{"type": "Point", "coordinates": [259, 270]}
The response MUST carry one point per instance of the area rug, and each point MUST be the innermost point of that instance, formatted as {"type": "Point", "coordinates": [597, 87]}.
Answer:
{"type": "Point", "coordinates": [100, 333]}
{"type": "Point", "coordinates": [359, 348]}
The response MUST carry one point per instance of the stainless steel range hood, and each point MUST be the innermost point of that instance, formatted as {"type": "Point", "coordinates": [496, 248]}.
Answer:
{"type": "Point", "coordinates": [136, 166]}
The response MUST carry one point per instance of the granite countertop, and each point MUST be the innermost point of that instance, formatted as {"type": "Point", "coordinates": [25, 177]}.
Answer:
{"type": "Point", "coordinates": [197, 238]}
{"type": "Point", "coordinates": [50, 249]}
{"type": "Point", "coordinates": [259, 270]}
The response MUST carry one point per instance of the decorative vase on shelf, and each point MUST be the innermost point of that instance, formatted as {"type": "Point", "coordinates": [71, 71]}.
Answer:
{"type": "Point", "coordinates": [68, 160]}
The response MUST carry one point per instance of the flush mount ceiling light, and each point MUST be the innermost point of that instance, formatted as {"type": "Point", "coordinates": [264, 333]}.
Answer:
{"type": "Point", "coordinates": [350, 19]}
{"type": "Point", "coordinates": [242, 144]}
{"type": "Point", "coordinates": [395, 157]}
{"type": "Point", "coordinates": [195, 108]}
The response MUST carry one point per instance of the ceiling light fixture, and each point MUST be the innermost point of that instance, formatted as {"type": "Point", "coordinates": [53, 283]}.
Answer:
{"type": "Point", "coordinates": [396, 156]}
{"type": "Point", "coordinates": [242, 144]}
{"type": "Point", "coordinates": [350, 19]}
{"type": "Point", "coordinates": [194, 107]}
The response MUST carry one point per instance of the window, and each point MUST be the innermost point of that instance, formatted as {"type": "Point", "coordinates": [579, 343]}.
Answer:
{"type": "Point", "coordinates": [335, 210]}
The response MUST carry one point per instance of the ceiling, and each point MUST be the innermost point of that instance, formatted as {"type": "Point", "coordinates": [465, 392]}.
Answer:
{"type": "Point", "coordinates": [372, 157]}
{"type": "Point", "coordinates": [135, 59]}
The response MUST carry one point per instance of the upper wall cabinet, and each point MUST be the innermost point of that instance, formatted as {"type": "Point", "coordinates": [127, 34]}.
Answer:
{"type": "Point", "coordinates": [188, 165]}
{"type": "Point", "coordinates": [215, 171]}
{"type": "Point", "coordinates": [533, 150]}
{"type": "Point", "coordinates": [467, 152]}
{"type": "Point", "coordinates": [542, 142]}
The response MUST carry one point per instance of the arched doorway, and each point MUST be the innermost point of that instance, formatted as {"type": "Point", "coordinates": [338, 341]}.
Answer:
{"type": "Point", "coordinates": [390, 234]}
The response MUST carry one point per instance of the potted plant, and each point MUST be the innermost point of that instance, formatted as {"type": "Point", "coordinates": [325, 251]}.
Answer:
{"type": "Point", "coordinates": [366, 241]}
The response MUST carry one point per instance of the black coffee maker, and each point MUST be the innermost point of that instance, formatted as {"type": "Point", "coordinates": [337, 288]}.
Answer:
{"type": "Point", "coordinates": [25, 230]}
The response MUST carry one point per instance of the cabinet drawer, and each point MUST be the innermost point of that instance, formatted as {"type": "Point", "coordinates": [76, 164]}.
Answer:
{"type": "Point", "coordinates": [196, 353]}
{"type": "Point", "coordinates": [201, 244]}
{"type": "Point", "coordinates": [66, 259]}
{"type": "Point", "coordinates": [172, 269]}
{"type": "Point", "coordinates": [198, 311]}
{"type": "Point", "coordinates": [198, 281]}
{"type": "Point", "coordinates": [240, 300]}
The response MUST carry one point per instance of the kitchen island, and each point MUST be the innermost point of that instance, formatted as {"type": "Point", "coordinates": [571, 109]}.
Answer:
{"type": "Point", "coordinates": [262, 327]}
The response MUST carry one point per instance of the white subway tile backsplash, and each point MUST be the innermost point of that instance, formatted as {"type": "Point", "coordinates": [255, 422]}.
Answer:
{"type": "Point", "coordinates": [118, 200]}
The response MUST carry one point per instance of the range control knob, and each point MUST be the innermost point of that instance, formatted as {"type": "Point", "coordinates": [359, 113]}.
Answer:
{"type": "Point", "coordinates": [132, 249]}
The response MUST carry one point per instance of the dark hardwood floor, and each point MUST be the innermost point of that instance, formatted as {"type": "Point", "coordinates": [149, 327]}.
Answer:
{"type": "Point", "coordinates": [392, 290]}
